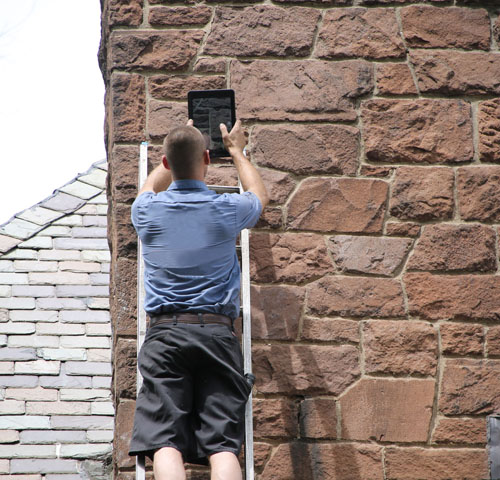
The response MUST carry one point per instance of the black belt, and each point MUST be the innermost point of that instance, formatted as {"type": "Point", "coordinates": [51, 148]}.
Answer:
{"type": "Point", "coordinates": [197, 318]}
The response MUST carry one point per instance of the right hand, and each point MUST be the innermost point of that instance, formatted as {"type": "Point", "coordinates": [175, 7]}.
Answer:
{"type": "Point", "coordinates": [236, 138]}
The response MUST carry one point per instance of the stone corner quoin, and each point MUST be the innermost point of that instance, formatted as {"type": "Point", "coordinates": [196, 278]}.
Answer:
{"type": "Point", "coordinates": [375, 126]}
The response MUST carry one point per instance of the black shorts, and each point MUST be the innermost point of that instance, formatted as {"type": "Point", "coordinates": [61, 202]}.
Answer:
{"type": "Point", "coordinates": [193, 394]}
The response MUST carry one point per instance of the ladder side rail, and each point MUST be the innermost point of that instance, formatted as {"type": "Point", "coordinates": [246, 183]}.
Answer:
{"type": "Point", "coordinates": [247, 347]}
{"type": "Point", "coordinates": [140, 466]}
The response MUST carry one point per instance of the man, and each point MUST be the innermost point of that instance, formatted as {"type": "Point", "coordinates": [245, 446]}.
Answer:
{"type": "Point", "coordinates": [191, 405]}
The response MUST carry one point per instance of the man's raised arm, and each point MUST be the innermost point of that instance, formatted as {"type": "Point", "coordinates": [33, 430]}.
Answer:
{"type": "Point", "coordinates": [250, 178]}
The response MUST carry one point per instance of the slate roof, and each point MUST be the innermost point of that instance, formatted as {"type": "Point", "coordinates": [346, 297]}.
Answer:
{"type": "Point", "coordinates": [64, 201]}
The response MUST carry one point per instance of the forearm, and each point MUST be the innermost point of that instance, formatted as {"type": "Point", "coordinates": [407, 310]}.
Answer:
{"type": "Point", "coordinates": [249, 176]}
{"type": "Point", "coordinates": [158, 180]}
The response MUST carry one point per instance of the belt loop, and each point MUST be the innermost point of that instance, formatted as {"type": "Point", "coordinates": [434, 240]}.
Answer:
{"type": "Point", "coordinates": [175, 319]}
{"type": "Point", "coordinates": [200, 319]}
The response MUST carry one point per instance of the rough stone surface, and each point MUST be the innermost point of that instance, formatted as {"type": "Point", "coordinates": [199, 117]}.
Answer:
{"type": "Point", "coordinates": [372, 255]}
{"type": "Point", "coordinates": [124, 186]}
{"type": "Point", "coordinates": [123, 431]}
{"type": "Point", "coordinates": [422, 193]}
{"type": "Point", "coordinates": [305, 369]}
{"type": "Point", "coordinates": [378, 409]}
{"type": "Point", "coordinates": [489, 130]}
{"type": "Point", "coordinates": [493, 341]}
{"type": "Point", "coordinates": [470, 431]}
{"type": "Point", "coordinates": [375, 171]}
{"type": "Point", "coordinates": [404, 229]}
{"type": "Point", "coordinates": [179, 16]}
{"type": "Point", "coordinates": [269, 322]}
{"type": "Point", "coordinates": [360, 32]}
{"type": "Point", "coordinates": [479, 193]}
{"type": "Point", "coordinates": [356, 297]}
{"type": "Point", "coordinates": [470, 387]}
{"type": "Point", "coordinates": [122, 296]}
{"type": "Point", "coordinates": [293, 258]}
{"type": "Point", "coordinates": [274, 417]}
{"type": "Point", "coordinates": [449, 248]}
{"type": "Point", "coordinates": [210, 65]}
{"type": "Point", "coordinates": [461, 339]}
{"type": "Point", "coordinates": [457, 73]}
{"type": "Point", "coordinates": [177, 87]}
{"type": "Point", "coordinates": [300, 90]}
{"type": "Point", "coordinates": [330, 330]}
{"type": "Point", "coordinates": [318, 418]}
{"type": "Point", "coordinates": [309, 149]}
{"type": "Point", "coordinates": [279, 185]}
{"type": "Point", "coordinates": [163, 116]}
{"type": "Point", "coordinates": [449, 297]}
{"type": "Point", "coordinates": [125, 359]}
{"type": "Point", "coordinates": [399, 347]}
{"type": "Point", "coordinates": [409, 131]}
{"type": "Point", "coordinates": [262, 30]}
{"type": "Point", "coordinates": [395, 79]}
{"type": "Point", "coordinates": [433, 27]}
{"type": "Point", "coordinates": [128, 107]}
{"type": "Point", "coordinates": [319, 461]}
{"type": "Point", "coordinates": [124, 12]}
{"type": "Point", "coordinates": [338, 205]}
{"type": "Point", "coordinates": [170, 50]}
{"type": "Point", "coordinates": [442, 464]}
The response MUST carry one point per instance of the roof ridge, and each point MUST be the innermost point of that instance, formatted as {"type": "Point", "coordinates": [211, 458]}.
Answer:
{"type": "Point", "coordinates": [64, 201]}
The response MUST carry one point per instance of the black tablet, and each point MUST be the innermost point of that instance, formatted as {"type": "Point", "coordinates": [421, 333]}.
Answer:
{"type": "Point", "coordinates": [208, 109]}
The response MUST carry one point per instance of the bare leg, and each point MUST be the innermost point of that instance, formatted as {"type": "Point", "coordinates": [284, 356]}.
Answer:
{"type": "Point", "coordinates": [225, 466]}
{"type": "Point", "coordinates": [168, 464]}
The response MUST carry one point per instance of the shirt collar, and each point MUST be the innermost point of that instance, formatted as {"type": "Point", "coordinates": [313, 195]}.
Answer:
{"type": "Point", "coordinates": [188, 185]}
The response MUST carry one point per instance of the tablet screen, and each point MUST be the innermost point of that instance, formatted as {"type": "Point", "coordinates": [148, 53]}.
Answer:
{"type": "Point", "coordinates": [208, 112]}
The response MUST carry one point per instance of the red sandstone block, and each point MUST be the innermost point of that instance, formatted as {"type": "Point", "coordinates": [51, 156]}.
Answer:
{"type": "Point", "coordinates": [176, 87]}
{"type": "Point", "coordinates": [451, 297]}
{"type": "Point", "coordinates": [128, 102]}
{"type": "Point", "coordinates": [408, 131]}
{"type": "Point", "coordinates": [488, 117]}
{"type": "Point", "coordinates": [449, 248]}
{"type": "Point", "coordinates": [125, 365]}
{"type": "Point", "coordinates": [122, 236]}
{"type": "Point", "coordinates": [403, 229]}
{"type": "Point", "coordinates": [387, 410]}
{"type": "Point", "coordinates": [304, 90]}
{"type": "Point", "coordinates": [210, 65]}
{"type": "Point", "coordinates": [279, 185]}
{"type": "Point", "coordinates": [305, 369]}
{"type": "Point", "coordinates": [395, 79]}
{"type": "Point", "coordinates": [122, 292]}
{"type": "Point", "coordinates": [124, 168]}
{"type": "Point", "coordinates": [470, 387]}
{"type": "Point", "coordinates": [457, 73]}
{"type": "Point", "coordinates": [269, 322]}
{"type": "Point", "coordinates": [330, 330]}
{"type": "Point", "coordinates": [275, 417]}
{"type": "Point", "coordinates": [318, 418]}
{"type": "Point", "coordinates": [435, 464]}
{"type": "Point", "coordinates": [179, 16]}
{"type": "Point", "coordinates": [375, 171]}
{"type": "Point", "coordinates": [292, 258]}
{"type": "Point", "coordinates": [372, 255]}
{"type": "Point", "coordinates": [400, 347]}
{"type": "Point", "coordinates": [360, 32]}
{"type": "Point", "coordinates": [123, 12]}
{"type": "Point", "coordinates": [332, 461]}
{"type": "Point", "coordinates": [356, 297]}
{"type": "Point", "coordinates": [262, 30]}
{"type": "Point", "coordinates": [340, 205]}
{"type": "Point", "coordinates": [123, 433]}
{"type": "Point", "coordinates": [163, 116]}
{"type": "Point", "coordinates": [330, 148]}
{"type": "Point", "coordinates": [261, 453]}
{"type": "Point", "coordinates": [493, 341]}
{"type": "Point", "coordinates": [271, 218]}
{"type": "Point", "coordinates": [449, 27]}
{"type": "Point", "coordinates": [478, 190]}
{"type": "Point", "coordinates": [462, 338]}
{"type": "Point", "coordinates": [471, 431]}
{"type": "Point", "coordinates": [422, 193]}
{"type": "Point", "coordinates": [170, 50]}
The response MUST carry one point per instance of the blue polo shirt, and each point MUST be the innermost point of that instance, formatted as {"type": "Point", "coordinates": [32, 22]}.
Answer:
{"type": "Point", "coordinates": [188, 234]}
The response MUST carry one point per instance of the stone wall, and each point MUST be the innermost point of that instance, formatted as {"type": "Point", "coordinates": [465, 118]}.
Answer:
{"type": "Point", "coordinates": [56, 410]}
{"type": "Point", "coordinates": [375, 124]}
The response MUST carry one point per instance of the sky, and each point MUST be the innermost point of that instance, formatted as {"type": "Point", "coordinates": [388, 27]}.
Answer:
{"type": "Point", "coordinates": [51, 98]}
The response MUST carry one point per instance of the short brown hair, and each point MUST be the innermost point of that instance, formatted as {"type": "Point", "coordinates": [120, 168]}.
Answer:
{"type": "Point", "coordinates": [184, 147]}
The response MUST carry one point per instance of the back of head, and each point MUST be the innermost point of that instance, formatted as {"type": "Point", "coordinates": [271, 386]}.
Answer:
{"type": "Point", "coordinates": [184, 147]}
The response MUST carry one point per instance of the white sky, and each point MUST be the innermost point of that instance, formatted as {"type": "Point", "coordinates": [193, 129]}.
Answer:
{"type": "Point", "coordinates": [51, 97]}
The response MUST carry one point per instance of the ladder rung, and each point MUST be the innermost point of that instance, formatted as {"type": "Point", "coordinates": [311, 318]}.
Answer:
{"type": "Point", "coordinates": [224, 188]}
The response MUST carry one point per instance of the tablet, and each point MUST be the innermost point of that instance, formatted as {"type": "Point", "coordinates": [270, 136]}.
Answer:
{"type": "Point", "coordinates": [208, 109]}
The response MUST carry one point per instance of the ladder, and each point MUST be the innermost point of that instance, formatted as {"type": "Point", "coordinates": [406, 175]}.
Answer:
{"type": "Point", "coordinates": [140, 470]}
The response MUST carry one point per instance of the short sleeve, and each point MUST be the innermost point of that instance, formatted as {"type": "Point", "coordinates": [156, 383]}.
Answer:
{"type": "Point", "coordinates": [140, 209]}
{"type": "Point", "coordinates": [248, 210]}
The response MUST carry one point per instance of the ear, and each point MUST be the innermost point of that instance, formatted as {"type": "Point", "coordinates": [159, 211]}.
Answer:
{"type": "Point", "coordinates": [206, 157]}
{"type": "Point", "coordinates": [165, 162]}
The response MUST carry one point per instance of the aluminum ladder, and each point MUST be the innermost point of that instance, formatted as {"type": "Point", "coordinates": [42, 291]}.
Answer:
{"type": "Point", "coordinates": [140, 467]}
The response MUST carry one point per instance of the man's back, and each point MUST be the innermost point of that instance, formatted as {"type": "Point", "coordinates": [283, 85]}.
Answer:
{"type": "Point", "coordinates": [188, 233]}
